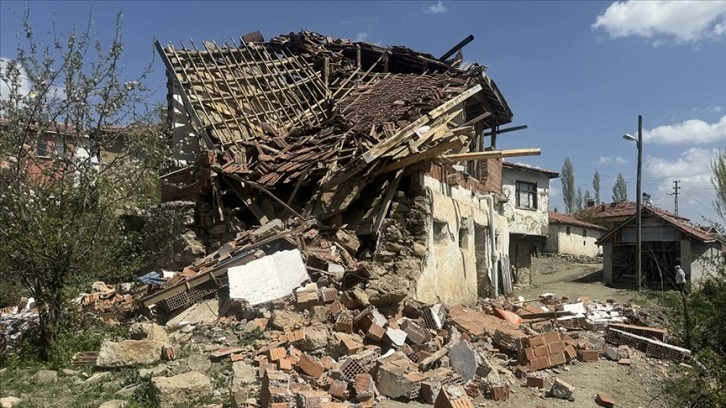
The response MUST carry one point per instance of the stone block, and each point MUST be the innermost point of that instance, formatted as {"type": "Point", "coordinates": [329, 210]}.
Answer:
{"type": "Point", "coordinates": [179, 389]}
{"type": "Point", "coordinates": [128, 352]}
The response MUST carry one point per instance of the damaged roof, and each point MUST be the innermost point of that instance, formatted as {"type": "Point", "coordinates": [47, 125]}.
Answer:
{"type": "Point", "coordinates": [307, 105]}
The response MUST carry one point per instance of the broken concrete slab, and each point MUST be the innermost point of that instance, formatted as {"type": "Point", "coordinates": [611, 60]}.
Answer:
{"type": "Point", "coordinates": [243, 373]}
{"type": "Point", "coordinates": [281, 273]}
{"type": "Point", "coordinates": [204, 312]}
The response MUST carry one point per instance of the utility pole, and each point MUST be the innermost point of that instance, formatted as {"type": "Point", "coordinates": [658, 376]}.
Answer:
{"type": "Point", "coordinates": [676, 187]}
{"type": "Point", "coordinates": [638, 221]}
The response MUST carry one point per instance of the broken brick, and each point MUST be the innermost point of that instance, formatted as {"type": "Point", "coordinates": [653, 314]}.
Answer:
{"type": "Point", "coordinates": [536, 381]}
{"type": "Point", "coordinates": [349, 346]}
{"type": "Point", "coordinates": [375, 332]}
{"type": "Point", "coordinates": [557, 359]}
{"type": "Point", "coordinates": [499, 391]}
{"type": "Point", "coordinates": [339, 389]}
{"type": "Point", "coordinates": [295, 335]}
{"type": "Point", "coordinates": [284, 364]}
{"type": "Point", "coordinates": [589, 355]}
{"type": "Point", "coordinates": [556, 347]}
{"type": "Point", "coordinates": [277, 353]}
{"type": "Point", "coordinates": [541, 351]}
{"type": "Point", "coordinates": [364, 386]}
{"type": "Point", "coordinates": [570, 352]}
{"type": "Point", "coordinates": [311, 366]}
{"type": "Point", "coordinates": [604, 400]}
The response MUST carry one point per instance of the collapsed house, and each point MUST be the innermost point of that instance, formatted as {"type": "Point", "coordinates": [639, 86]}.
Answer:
{"type": "Point", "coordinates": [385, 144]}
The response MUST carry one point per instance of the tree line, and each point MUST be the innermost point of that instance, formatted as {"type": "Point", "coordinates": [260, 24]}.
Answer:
{"type": "Point", "coordinates": [575, 200]}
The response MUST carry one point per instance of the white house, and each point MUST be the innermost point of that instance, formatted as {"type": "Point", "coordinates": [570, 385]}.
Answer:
{"type": "Point", "coordinates": [568, 235]}
{"type": "Point", "coordinates": [527, 190]}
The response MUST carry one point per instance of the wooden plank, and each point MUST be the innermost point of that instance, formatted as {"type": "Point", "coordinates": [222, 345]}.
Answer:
{"type": "Point", "coordinates": [406, 132]}
{"type": "Point", "coordinates": [495, 154]}
{"type": "Point", "coordinates": [387, 202]}
{"type": "Point", "coordinates": [433, 152]}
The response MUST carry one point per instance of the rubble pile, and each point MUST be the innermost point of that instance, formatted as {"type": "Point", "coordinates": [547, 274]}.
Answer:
{"type": "Point", "coordinates": [17, 323]}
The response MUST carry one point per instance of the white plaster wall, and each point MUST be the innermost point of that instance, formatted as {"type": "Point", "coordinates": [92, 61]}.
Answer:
{"type": "Point", "coordinates": [449, 274]}
{"type": "Point", "coordinates": [521, 221]}
{"type": "Point", "coordinates": [575, 243]}
{"type": "Point", "coordinates": [705, 257]}
{"type": "Point", "coordinates": [185, 143]}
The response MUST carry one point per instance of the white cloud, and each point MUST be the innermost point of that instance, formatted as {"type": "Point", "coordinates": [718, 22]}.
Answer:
{"type": "Point", "coordinates": [692, 169]}
{"type": "Point", "coordinates": [24, 86]}
{"type": "Point", "coordinates": [361, 37]}
{"type": "Point", "coordinates": [660, 21]}
{"type": "Point", "coordinates": [437, 8]}
{"type": "Point", "coordinates": [611, 159]}
{"type": "Point", "coordinates": [692, 131]}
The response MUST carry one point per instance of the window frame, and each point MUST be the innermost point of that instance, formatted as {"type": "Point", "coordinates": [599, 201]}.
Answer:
{"type": "Point", "coordinates": [531, 192]}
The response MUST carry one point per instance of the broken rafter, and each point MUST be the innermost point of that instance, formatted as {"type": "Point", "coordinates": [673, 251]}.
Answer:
{"type": "Point", "coordinates": [495, 154]}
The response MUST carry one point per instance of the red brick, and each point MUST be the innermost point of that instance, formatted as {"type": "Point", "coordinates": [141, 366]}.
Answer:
{"type": "Point", "coordinates": [444, 400]}
{"type": "Point", "coordinates": [327, 362]}
{"type": "Point", "coordinates": [528, 354]}
{"type": "Point", "coordinates": [277, 353]}
{"type": "Point", "coordinates": [311, 366]}
{"type": "Point", "coordinates": [329, 295]}
{"type": "Point", "coordinates": [225, 351]}
{"type": "Point", "coordinates": [624, 361]}
{"type": "Point", "coordinates": [542, 350]}
{"type": "Point", "coordinates": [167, 352]}
{"type": "Point", "coordinates": [500, 392]}
{"type": "Point", "coordinates": [364, 387]}
{"type": "Point", "coordinates": [556, 347]}
{"type": "Point", "coordinates": [339, 389]}
{"type": "Point", "coordinates": [284, 364]}
{"type": "Point", "coordinates": [349, 346]}
{"type": "Point", "coordinates": [604, 400]}
{"type": "Point", "coordinates": [589, 355]}
{"type": "Point", "coordinates": [236, 357]}
{"type": "Point", "coordinates": [344, 323]}
{"type": "Point", "coordinates": [557, 359]}
{"type": "Point", "coordinates": [570, 352]}
{"type": "Point", "coordinates": [540, 363]}
{"type": "Point", "coordinates": [551, 337]}
{"type": "Point", "coordinates": [306, 300]}
{"type": "Point", "coordinates": [375, 332]}
{"type": "Point", "coordinates": [537, 340]}
{"type": "Point", "coordinates": [535, 381]}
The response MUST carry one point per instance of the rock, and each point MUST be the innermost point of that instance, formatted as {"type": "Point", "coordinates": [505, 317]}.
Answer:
{"type": "Point", "coordinates": [316, 338]}
{"type": "Point", "coordinates": [96, 377]}
{"type": "Point", "coordinates": [182, 388]}
{"type": "Point", "coordinates": [44, 377]}
{"type": "Point", "coordinates": [243, 373]}
{"type": "Point", "coordinates": [388, 290]}
{"type": "Point", "coordinates": [195, 362]}
{"type": "Point", "coordinates": [69, 373]}
{"type": "Point", "coordinates": [153, 372]}
{"type": "Point", "coordinates": [9, 402]}
{"type": "Point", "coordinates": [611, 353]}
{"type": "Point", "coordinates": [148, 331]}
{"type": "Point", "coordinates": [113, 404]}
{"type": "Point", "coordinates": [127, 391]}
{"type": "Point", "coordinates": [562, 390]}
{"type": "Point", "coordinates": [128, 352]}
{"type": "Point", "coordinates": [284, 319]}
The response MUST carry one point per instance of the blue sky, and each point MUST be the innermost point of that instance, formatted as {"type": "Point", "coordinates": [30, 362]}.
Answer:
{"type": "Point", "coordinates": [577, 73]}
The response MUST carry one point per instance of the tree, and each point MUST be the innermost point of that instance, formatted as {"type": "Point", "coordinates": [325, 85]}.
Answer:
{"type": "Point", "coordinates": [62, 192]}
{"type": "Point", "coordinates": [596, 187]}
{"type": "Point", "coordinates": [568, 185]}
{"type": "Point", "coordinates": [718, 167]}
{"type": "Point", "coordinates": [620, 189]}
{"type": "Point", "coordinates": [587, 197]}
{"type": "Point", "coordinates": [579, 204]}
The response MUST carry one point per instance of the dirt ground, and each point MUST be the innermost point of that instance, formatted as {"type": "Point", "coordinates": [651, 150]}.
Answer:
{"type": "Point", "coordinates": [634, 386]}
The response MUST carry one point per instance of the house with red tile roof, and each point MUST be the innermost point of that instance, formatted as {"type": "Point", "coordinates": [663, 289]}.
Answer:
{"type": "Point", "coordinates": [568, 235]}
{"type": "Point", "coordinates": [667, 241]}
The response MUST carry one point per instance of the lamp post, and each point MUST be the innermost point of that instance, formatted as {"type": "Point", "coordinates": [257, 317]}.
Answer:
{"type": "Point", "coordinates": [638, 241]}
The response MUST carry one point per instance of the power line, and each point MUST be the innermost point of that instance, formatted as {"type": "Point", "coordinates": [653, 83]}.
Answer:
{"type": "Point", "coordinates": [676, 187]}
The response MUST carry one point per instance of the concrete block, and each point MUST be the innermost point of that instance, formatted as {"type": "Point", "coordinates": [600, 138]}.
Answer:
{"type": "Point", "coordinates": [562, 390]}
{"type": "Point", "coordinates": [281, 273]}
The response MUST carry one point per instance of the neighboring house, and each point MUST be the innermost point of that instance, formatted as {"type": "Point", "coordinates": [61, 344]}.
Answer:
{"type": "Point", "coordinates": [527, 190]}
{"type": "Point", "coordinates": [568, 235]}
{"type": "Point", "coordinates": [667, 241]}
{"type": "Point", "coordinates": [610, 215]}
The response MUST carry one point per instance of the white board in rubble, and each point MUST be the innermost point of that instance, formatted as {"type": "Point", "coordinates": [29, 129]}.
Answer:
{"type": "Point", "coordinates": [269, 278]}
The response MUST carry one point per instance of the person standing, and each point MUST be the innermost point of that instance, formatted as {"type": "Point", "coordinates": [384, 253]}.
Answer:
{"type": "Point", "coordinates": [680, 279]}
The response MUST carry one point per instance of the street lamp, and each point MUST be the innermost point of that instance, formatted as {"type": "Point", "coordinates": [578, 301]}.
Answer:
{"type": "Point", "coordinates": [638, 241]}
